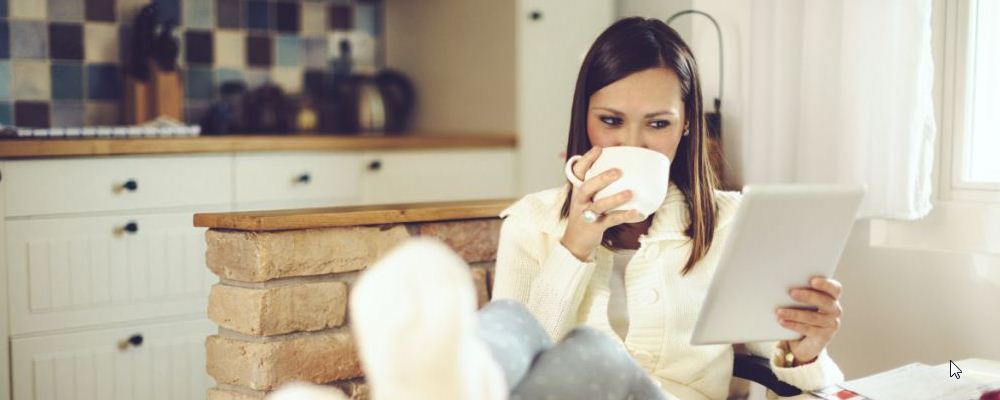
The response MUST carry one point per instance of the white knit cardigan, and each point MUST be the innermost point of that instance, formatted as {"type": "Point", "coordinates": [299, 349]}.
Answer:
{"type": "Point", "coordinates": [533, 268]}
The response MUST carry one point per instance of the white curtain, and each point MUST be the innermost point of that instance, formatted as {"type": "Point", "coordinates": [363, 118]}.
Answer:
{"type": "Point", "coordinates": [840, 91]}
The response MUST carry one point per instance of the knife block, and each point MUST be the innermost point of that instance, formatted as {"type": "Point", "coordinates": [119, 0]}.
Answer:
{"type": "Point", "coordinates": [161, 96]}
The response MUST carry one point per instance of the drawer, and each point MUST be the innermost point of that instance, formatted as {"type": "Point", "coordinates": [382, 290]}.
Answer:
{"type": "Point", "coordinates": [318, 178]}
{"type": "Point", "coordinates": [437, 175]}
{"type": "Point", "coordinates": [55, 186]}
{"type": "Point", "coordinates": [168, 365]}
{"type": "Point", "coordinates": [87, 271]}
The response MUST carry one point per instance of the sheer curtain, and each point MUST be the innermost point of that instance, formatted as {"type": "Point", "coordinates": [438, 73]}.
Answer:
{"type": "Point", "coordinates": [841, 92]}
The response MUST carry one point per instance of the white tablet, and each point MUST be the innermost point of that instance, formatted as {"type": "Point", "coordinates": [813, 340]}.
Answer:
{"type": "Point", "coordinates": [780, 237]}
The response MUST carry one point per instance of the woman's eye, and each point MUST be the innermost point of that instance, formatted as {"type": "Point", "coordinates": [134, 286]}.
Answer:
{"type": "Point", "coordinates": [614, 121]}
{"type": "Point", "coordinates": [661, 124]}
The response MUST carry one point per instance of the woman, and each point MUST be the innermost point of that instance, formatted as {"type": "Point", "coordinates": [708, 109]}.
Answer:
{"type": "Point", "coordinates": [638, 86]}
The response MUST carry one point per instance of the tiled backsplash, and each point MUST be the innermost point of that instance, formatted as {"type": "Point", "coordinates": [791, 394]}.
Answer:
{"type": "Point", "coordinates": [61, 61]}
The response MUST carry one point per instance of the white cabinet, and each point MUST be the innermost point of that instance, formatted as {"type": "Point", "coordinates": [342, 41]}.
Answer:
{"type": "Point", "coordinates": [90, 271]}
{"type": "Point", "coordinates": [57, 186]}
{"type": "Point", "coordinates": [437, 175]}
{"type": "Point", "coordinates": [92, 259]}
{"type": "Point", "coordinates": [168, 364]}
{"type": "Point", "coordinates": [552, 39]}
{"type": "Point", "coordinates": [296, 179]}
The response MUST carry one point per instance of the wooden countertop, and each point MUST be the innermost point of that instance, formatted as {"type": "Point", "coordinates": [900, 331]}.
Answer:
{"type": "Point", "coordinates": [37, 148]}
{"type": "Point", "coordinates": [351, 215]}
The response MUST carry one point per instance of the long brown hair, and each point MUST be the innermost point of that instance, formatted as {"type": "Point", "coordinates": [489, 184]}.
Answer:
{"type": "Point", "coordinates": [629, 46]}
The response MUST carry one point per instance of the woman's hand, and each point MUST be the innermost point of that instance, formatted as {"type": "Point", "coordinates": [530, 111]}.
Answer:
{"type": "Point", "coordinates": [818, 327]}
{"type": "Point", "coordinates": [581, 238]}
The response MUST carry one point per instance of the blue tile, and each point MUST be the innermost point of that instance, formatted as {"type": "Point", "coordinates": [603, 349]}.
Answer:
{"type": "Point", "coordinates": [67, 81]}
{"type": "Point", "coordinates": [103, 82]}
{"type": "Point", "coordinates": [170, 10]}
{"type": "Point", "coordinates": [258, 15]}
{"type": "Point", "coordinates": [223, 75]}
{"type": "Point", "coordinates": [198, 84]}
{"type": "Point", "coordinates": [6, 111]}
{"type": "Point", "coordinates": [366, 17]}
{"type": "Point", "coordinates": [199, 14]}
{"type": "Point", "coordinates": [5, 80]}
{"type": "Point", "coordinates": [4, 40]}
{"type": "Point", "coordinates": [29, 39]}
{"type": "Point", "coordinates": [289, 51]}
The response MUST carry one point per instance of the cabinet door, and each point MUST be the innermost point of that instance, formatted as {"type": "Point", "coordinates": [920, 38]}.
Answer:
{"type": "Point", "coordinates": [296, 180]}
{"type": "Point", "coordinates": [87, 271]}
{"type": "Point", "coordinates": [437, 175]}
{"type": "Point", "coordinates": [169, 364]}
{"type": "Point", "coordinates": [74, 185]}
{"type": "Point", "coordinates": [553, 37]}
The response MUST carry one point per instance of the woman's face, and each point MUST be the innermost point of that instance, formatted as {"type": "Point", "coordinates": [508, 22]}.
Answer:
{"type": "Point", "coordinates": [643, 109]}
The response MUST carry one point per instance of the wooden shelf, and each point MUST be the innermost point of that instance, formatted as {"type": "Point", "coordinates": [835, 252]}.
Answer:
{"type": "Point", "coordinates": [309, 218]}
{"type": "Point", "coordinates": [83, 147]}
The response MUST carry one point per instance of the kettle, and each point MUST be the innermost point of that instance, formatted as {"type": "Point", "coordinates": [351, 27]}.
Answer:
{"type": "Point", "coordinates": [383, 102]}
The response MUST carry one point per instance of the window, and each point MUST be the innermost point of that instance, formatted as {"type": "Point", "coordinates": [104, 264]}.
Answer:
{"type": "Point", "coordinates": [982, 164]}
{"type": "Point", "coordinates": [966, 215]}
{"type": "Point", "coordinates": [970, 128]}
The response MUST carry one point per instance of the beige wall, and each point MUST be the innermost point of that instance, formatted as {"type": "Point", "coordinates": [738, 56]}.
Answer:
{"type": "Point", "coordinates": [460, 55]}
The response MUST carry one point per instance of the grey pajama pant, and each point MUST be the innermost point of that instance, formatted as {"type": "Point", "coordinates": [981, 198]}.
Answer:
{"type": "Point", "coordinates": [586, 364]}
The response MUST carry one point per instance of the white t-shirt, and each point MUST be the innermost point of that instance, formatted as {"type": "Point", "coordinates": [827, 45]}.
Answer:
{"type": "Point", "coordinates": [618, 304]}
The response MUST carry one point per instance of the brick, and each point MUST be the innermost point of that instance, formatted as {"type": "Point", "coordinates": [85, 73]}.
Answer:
{"type": "Point", "coordinates": [294, 307]}
{"type": "Point", "coordinates": [474, 240]}
{"type": "Point", "coordinates": [263, 366]}
{"type": "Point", "coordinates": [261, 256]}
{"type": "Point", "coordinates": [480, 278]}
{"type": "Point", "coordinates": [224, 394]}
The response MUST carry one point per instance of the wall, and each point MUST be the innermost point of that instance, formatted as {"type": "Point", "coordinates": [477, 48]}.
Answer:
{"type": "Point", "coordinates": [61, 61]}
{"type": "Point", "coordinates": [460, 55]}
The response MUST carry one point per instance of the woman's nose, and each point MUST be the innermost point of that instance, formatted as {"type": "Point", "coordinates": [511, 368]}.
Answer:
{"type": "Point", "coordinates": [632, 137]}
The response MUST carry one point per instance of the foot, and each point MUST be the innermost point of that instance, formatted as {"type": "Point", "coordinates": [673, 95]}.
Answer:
{"type": "Point", "coordinates": [413, 316]}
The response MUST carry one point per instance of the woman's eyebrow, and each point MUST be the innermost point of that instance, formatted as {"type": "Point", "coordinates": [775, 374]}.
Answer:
{"type": "Point", "coordinates": [652, 114]}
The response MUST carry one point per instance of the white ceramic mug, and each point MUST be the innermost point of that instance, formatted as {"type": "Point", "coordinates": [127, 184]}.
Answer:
{"type": "Point", "coordinates": [645, 172]}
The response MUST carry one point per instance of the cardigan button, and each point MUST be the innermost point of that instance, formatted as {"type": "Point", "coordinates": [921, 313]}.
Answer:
{"type": "Point", "coordinates": [648, 297]}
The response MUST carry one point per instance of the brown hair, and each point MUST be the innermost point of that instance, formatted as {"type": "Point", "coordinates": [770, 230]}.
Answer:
{"type": "Point", "coordinates": [629, 46]}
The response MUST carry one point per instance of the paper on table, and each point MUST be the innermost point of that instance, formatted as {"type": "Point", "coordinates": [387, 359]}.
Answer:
{"type": "Point", "coordinates": [919, 381]}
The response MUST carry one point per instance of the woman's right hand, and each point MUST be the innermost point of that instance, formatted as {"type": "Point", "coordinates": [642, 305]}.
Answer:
{"type": "Point", "coordinates": [582, 238]}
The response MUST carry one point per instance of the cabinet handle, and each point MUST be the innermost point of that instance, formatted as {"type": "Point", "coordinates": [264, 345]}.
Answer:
{"type": "Point", "coordinates": [130, 185]}
{"type": "Point", "coordinates": [375, 165]}
{"type": "Point", "coordinates": [131, 227]}
{"type": "Point", "coordinates": [133, 341]}
{"type": "Point", "coordinates": [304, 178]}
{"type": "Point", "coordinates": [535, 15]}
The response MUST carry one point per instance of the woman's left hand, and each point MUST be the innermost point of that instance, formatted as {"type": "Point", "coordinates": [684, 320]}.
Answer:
{"type": "Point", "coordinates": [817, 327]}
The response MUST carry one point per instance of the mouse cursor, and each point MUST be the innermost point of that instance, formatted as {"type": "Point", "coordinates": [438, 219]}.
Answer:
{"type": "Point", "coordinates": [954, 370]}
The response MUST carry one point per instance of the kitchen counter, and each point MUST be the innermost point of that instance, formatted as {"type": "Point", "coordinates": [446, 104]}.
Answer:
{"type": "Point", "coordinates": [329, 217]}
{"type": "Point", "coordinates": [37, 148]}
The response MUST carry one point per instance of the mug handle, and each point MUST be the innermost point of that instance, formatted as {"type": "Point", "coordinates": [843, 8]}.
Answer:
{"type": "Point", "coordinates": [569, 170]}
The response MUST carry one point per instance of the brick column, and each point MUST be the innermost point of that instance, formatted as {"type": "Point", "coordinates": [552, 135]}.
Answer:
{"type": "Point", "coordinates": [281, 300]}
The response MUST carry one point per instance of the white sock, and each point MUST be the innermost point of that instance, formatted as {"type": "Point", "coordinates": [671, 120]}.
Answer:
{"type": "Point", "coordinates": [413, 316]}
{"type": "Point", "coordinates": [306, 391]}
